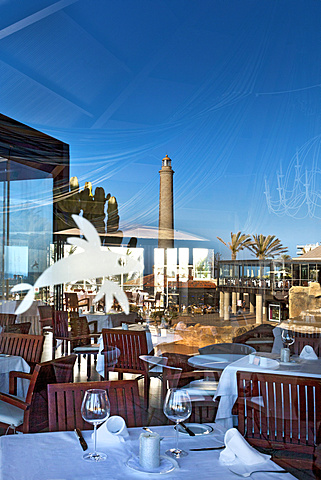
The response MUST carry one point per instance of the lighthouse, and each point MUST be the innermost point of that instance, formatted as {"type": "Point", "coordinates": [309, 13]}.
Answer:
{"type": "Point", "coordinates": [166, 205]}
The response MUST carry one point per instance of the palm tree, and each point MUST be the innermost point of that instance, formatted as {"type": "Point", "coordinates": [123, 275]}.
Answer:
{"type": "Point", "coordinates": [238, 242]}
{"type": "Point", "coordinates": [284, 257]}
{"type": "Point", "coordinates": [264, 247]}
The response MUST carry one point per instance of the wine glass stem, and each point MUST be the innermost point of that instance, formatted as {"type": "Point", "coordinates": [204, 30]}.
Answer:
{"type": "Point", "coordinates": [95, 437]}
{"type": "Point", "coordinates": [177, 433]}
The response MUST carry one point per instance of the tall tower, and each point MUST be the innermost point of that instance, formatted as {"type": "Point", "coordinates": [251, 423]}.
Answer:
{"type": "Point", "coordinates": [166, 205]}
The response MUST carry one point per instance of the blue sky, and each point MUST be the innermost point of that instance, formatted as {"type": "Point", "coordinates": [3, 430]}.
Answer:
{"type": "Point", "coordinates": [229, 89]}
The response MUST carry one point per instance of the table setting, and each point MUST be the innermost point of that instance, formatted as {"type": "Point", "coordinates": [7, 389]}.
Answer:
{"type": "Point", "coordinates": [58, 455]}
{"type": "Point", "coordinates": [115, 451]}
{"type": "Point", "coordinates": [307, 364]}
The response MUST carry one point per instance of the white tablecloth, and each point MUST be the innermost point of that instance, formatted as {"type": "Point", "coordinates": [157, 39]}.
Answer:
{"type": "Point", "coordinates": [103, 321]}
{"type": "Point", "coordinates": [13, 363]}
{"type": "Point", "coordinates": [31, 315]}
{"type": "Point", "coordinates": [58, 456]}
{"type": "Point", "coordinates": [227, 387]}
{"type": "Point", "coordinates": [110, 320]}
{"type": "Point", "coordinates": [214, 361]}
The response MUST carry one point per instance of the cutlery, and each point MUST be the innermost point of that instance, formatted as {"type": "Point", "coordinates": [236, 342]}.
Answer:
{"type": "Point", "coordinates": [188, 430]}
{"type": "Point", "coordinates": [206, 448]}
{"type": "Point", "coordinates": [248, 474]}
{"type": "Point", "coordinates": [81, 439]}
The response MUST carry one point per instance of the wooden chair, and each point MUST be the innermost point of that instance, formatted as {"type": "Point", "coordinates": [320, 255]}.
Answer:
{"type": "Point", "coordinates": [64, 403]}
{"type": "Point", "coordinates": [204, 408]}
{"type": "Point", "coordinates": [281, 413]}
{"type": "Point", "coordinates": [176, 373]}
{"type": "Point", "coordinates": [130, 344]}
{"type": "Point", "coordinates": [46, 318]}
{"type": "Point", "coordinates": [237, 348]}
{"type": "Point", "coordinates": [7, 319]}
{"type": "Point", "coordinates": [29, 347]}
{"type": "Point", "coordinates": [23, 327]}
{"type": "Point", "coordinates": [72, 303]}
{"type": "Point", "coordinates": [261, 338]}
{"type": "Point", "coordinates": [31, 415]}
{"type": "Point", "coordinates": [77, 339]}
{"type": "Point", "coordinates": [301, 340]}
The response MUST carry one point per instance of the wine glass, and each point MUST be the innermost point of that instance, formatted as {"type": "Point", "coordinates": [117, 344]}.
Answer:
{"type": "Point", "coordinates": [288, 337]}
{"type": "Point", "coordinates": [177, 407]}
{"type": "Point", "coordinates": [95, 409]}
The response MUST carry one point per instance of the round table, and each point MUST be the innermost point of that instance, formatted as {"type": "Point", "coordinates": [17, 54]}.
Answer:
{"type": "Point", "coordinates": [214, 361]}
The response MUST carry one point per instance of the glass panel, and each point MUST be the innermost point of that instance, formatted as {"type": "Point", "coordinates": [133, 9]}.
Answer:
{"type": "Point", "coordinates": [26, 220]}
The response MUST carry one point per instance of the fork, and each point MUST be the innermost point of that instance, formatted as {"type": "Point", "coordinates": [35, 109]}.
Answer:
{"type": "Point", "coordinates": [248, 474]}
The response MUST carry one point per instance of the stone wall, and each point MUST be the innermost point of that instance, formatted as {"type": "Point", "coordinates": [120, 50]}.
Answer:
{"type": "Point", "coordinates": [304, 300]}
{"type": "Point", "coordinates": [201, 335]}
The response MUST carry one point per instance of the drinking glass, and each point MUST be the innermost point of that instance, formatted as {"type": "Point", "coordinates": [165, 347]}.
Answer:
{"type": "Point", "coordinates": [177, 407]}
{"type": "Point", "coordinates": [288, 337]}
{"type": "Point", "coordinates": [95, 409]}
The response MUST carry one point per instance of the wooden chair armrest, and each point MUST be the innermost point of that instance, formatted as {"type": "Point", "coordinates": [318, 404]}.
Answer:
{"type": "Point", "coordinates": [62, 338]}
{"type": "Point", "coordinates": [13, 376]}
{"type": "Point", "coordinates": [16, 402]}
{"type": "Point", "coordinates": [95, 335]}
{"type": "Point", "coordinates": [81, 337]}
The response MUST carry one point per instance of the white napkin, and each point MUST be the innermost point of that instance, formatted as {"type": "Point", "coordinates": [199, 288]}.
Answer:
{"type": "Point", "coordinates": [107, 435]}
{"type": "Point", "coordinates": [308, 353]}
{"type": "Point", "coordinates": [237, 450]}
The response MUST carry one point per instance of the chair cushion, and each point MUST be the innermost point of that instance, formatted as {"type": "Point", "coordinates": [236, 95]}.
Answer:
{"type": "Point", "coordinates": [10, 414]}
{"type": "Point", "coordinates": [86, 349]}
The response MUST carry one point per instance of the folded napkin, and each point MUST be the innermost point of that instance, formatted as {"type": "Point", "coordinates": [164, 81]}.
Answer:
{"type": "Point", "coordinates": [113, 429]}
{"type": "Point", "coordinates": [308, 353]}
{"type": "Point", "coordinates": [237, 450]}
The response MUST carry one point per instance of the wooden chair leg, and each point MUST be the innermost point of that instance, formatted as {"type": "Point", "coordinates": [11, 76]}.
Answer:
{"type": "Point", "coordinates": [146, 390]}
{"type": "Point", "coordinates": [88, 366]}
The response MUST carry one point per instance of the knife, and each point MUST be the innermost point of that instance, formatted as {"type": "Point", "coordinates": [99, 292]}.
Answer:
{"type": "Point", "coordinates": [188, 430]}
{"type": "Point", "coordinates": [81, 439]}
{"type": "Point", "coordinates": [206, 448]}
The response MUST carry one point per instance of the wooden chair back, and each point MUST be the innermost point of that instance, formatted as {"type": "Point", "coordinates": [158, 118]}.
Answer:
{"type": "Point", "coordinates": [128, 345]}
{"type": "Point", "coordinates": [314, 340]}
{"type": "Point", "coordinates": [60, 331]}
{"type": "Point", "coordinates": [46, 316]}
{"type": "Point", "coordinates": [278, 411]}
{"type": "Point", "coordinates": [23, 327]}
{"type": "Point", "coordinates": [131, 345]}
{"type": "Point", "coordinates": [203, 409]}
{"type": "Point", "coordinates": [64, 403]}
{"type": "Point", "coordinates": [71, 301]}
{"type": "Point", "coordinates": [60, 324]}
{"type": "Point", "coordinates": [53, 371]}
{"type": "Point", "coordinates": [260, 337]}
{"type": "Point", "coordinates": [79, 328]}
{"type": "Point", "coordinates": [29, 347]}
{"type": "Point", "coordinates": [7, 319]}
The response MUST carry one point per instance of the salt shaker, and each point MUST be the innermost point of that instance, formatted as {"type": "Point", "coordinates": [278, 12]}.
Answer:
{"type": "Point", "coordinates": [149, 450]}
{"type": "Point", "coordinates": [285, 354]}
